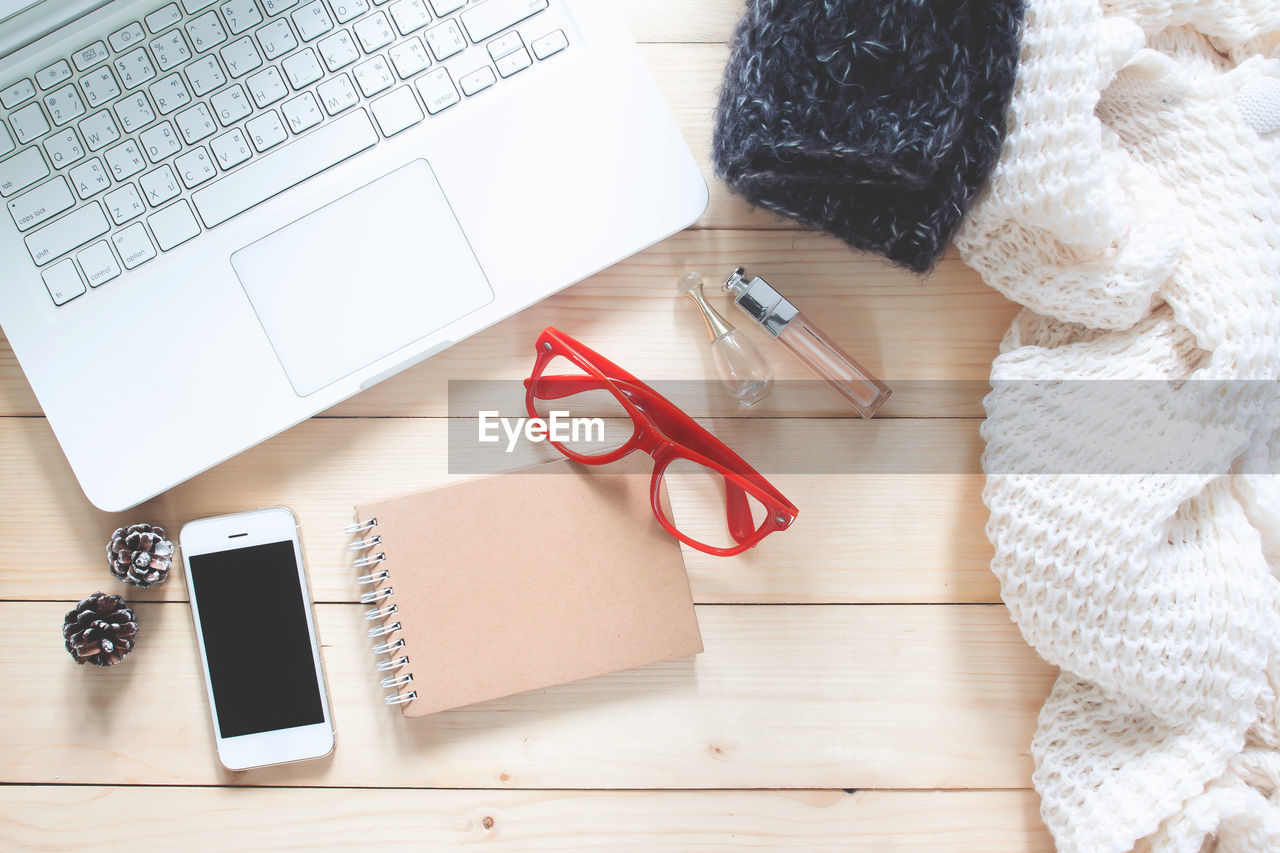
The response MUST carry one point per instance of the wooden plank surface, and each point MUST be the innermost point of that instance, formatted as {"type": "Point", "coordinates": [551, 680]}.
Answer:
{"type": "Point", "coordinates": [892, 696]}
{"type": "Point", "coordinates": [196, 820]}
{"type": "Point", "coordinates": [909, 531]}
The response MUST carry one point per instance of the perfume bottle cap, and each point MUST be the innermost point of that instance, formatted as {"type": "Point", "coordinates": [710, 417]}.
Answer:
{"type": "Point", "coordinates": [691, 286]}
{"type": "Point", "coordinates": [760, 301]}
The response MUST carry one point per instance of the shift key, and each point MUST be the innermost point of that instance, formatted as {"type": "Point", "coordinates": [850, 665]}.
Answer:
{"type": "Point", "coordinates": [70, 232]}
{"type": "Point", "coordinates": [493, 16]}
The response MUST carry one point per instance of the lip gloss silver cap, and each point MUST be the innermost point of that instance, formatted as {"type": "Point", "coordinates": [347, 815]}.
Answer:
{"type": "Point", "coordinates": [760, 301]}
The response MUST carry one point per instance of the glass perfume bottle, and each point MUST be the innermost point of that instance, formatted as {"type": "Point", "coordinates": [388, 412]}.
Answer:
{"type": "Point", "coordinates": [746, 375]}
{"type": "Point", "coordinates": [823, 356]}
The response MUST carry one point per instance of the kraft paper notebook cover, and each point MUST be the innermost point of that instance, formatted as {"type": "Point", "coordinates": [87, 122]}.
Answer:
{"type": "Point", "coordinates": [521, 581]}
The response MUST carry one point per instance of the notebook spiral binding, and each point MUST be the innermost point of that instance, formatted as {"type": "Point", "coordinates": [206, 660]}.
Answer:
{"type": "Point", "coordinates": [389, 651]}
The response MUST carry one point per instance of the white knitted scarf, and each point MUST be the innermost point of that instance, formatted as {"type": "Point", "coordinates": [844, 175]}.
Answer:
{"type": "Point", "coordinates": [1135, 213]}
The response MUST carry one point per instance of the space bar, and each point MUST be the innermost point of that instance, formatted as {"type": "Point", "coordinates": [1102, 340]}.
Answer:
{"type": "Point", "coordinates": [284, 168]}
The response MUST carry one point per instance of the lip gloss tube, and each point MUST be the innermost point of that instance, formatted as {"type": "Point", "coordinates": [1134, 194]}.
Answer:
{"type": "Point", "coordinates": [780, 318]}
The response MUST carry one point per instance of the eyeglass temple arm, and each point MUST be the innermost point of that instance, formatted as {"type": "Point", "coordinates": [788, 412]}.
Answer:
{"type": "Point", "coordinates": [737, 508]}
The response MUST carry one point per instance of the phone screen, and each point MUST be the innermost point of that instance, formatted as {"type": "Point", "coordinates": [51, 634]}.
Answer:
{"type": "Point", "coordinates": [254, 623]}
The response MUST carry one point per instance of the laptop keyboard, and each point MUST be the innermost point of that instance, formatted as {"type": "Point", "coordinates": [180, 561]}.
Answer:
{"type": "Point", "coordinates": [139, 141]}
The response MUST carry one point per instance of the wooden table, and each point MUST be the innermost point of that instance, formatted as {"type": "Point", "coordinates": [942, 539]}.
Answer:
{"type": "Point", "coordinates": [862, 686]}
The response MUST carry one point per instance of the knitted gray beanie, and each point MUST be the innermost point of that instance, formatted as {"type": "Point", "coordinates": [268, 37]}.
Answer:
{"type": "Point", "coordinates": [876, 120]}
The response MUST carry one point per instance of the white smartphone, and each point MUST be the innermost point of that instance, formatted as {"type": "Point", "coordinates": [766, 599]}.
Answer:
{"type": "Point", "coordinates": [257, 638]}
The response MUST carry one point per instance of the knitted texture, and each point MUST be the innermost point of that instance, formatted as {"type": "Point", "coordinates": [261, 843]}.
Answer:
{"type": "Point", "coordinates": [876, 120]}
{"type": "Point", "coordinates": [1135, 212]}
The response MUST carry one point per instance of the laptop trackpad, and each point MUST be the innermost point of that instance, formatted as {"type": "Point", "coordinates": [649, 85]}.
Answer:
{"type": "Point", "coordinates": [362, 277]}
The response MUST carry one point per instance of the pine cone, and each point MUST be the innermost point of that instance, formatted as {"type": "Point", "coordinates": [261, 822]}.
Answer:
{"type": "Point", "coordinates": [140, 555]}
{"type": "Point", "coordinates": [100, 630]}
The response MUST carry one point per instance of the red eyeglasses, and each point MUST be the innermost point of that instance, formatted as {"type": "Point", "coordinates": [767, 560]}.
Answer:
{"type": "Point", "coordinates": [727, 506]}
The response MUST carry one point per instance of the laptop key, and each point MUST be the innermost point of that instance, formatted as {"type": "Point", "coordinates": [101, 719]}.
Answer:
{"type": "Point", "coordinates": [90, 178]}
{"type": "Point", "coordinates": [275, 7]}
{"type": "Point", "coordinates": [266, 130]}
{"type": "Point", "coordinates": [70, 232]}
{"type": "Point", "coordinates": [241, 57]}
{"type": "Point", "coordinates": [47, 78]}
{"type": "Point", "coordinates": [160, 142]}
{"type": "Point", "coordinates": [445, 40]}
{"type": "Point", "coordinates": [374, 32]}
{"type": "Point", "coordinates": [171, 50]}
{"type": "Point", "coordinates": [493, 16]}
{"type": "Point", "coordinates": [477, 81]}
{"type": "Point", "coordinates": [337, 94]}
{"type": "Point", "coordinates": [446, 7]}
{"type": "Point", "coordinates": [63, 282]}
{"type": "Point", "coordinates": [231, 148]}
{"type": "Point", "coordinates": [64, 148]}
{"type": "Point", "coordinates": [159, 186]}
{"type": "Point", "coordinates": [135, 68]}
{"type": "Point", "coordinates": [165, 16]}
{"type": "Point", "coordinates": [302, 69]}
{"type": "Point", "coordinates": [550, 44]}
{"type": "Point", "coordinates": [99, 263]}
{"type": "Point", "coordinates": [125, 160]}
{"type": "Point", "coordinates": [135, 112]}
{"type": "Point", "coordinates": [99, 130]}
{"type": "Point", "coordinates": [312, 20]}
{"type": "Point", "coordinates": [100, 86]}
{"type": "Point", "coordinates": [345, 10]}
{"type": "Point", "coordinates": [17, 93]}
{"type": "Point", "coordinates": [409, 57]}
{"type": "Point", "coordinates": [437, 91]}
{"type": "Point", "coordinates": [124, 204]}
{"type": "Point", "coordinates": [196, 123]}
{"type": "Point", "coordinates": [65, 104]}
{"type": "Point", "coordinates": [241, 15]}
{"type": "Point", "coordinates": [205, 75]}
{"type": "Point", "coordinates": [231, 105]}
{"type": "Point", "coordinates": [410, 15]}
{"type": "Point", "coordinates": [338, 50]}
{"type": "Point", "coordinates": [373, 76]}
{"type": "Point", "coordinates": [397, 111]}
{"type": "Point", "coordinates": [6, 141]}
{"type": "Point", "coordinates": [267, 87]}
{"type": "Point", "coordinates": [302, 112]}
{"type": "Point", "coordinates": [514, 63]}
{"type": "Point", "coordinates": [195, 167]}
{"type": "Point", "coordinates": [122, 38]}
{"type": "Point", "coordinates": [29, 123]}
{"type": "Point", "coordinates": [206, 32]}
{"type": "Point", "coordinates": [276, 39]}
{"type": "Point", "coordinates": [87, 57]}
{"type": "Point", "coordinates": [41, 204]}
{"type": "Point", "coordinates": [21, 171]}
{"type": "Point", "coordinates": [278, 171]}
{"type": "Point", "coordinates": [173, 226]}
{"type": "Point", "coordinates": [133, 245]}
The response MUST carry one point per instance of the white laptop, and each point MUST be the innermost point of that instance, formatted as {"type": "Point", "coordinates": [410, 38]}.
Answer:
{"type": "Point", "coordinates": [224, 216]}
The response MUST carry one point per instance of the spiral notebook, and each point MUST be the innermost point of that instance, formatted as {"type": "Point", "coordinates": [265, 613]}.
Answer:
{"type": "Point", "coordinates": [518, 582]}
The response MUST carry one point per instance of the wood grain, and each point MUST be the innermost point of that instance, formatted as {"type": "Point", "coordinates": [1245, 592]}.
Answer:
{"type": "Point", "coordinates": [783, 697]}
{"type": "Point", "coordinates": [675, 21]}
{"type": "Point", "coordinates": [909, 530]}
{"type": "Point", "coordinates": [197, 819]}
